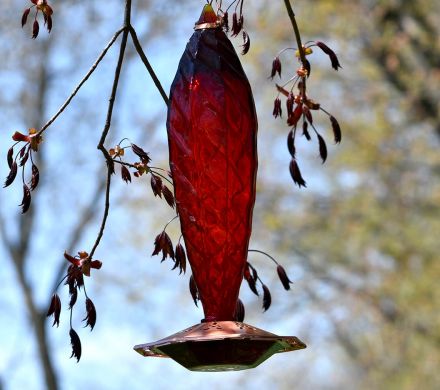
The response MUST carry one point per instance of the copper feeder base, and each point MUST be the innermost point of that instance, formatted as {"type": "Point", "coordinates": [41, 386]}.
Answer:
{"type": "Point", "coordinates": [220, 346]}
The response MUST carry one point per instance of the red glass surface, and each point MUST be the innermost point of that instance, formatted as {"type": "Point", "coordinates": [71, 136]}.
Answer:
{"type": "Point", "coordinates": [212, 128]}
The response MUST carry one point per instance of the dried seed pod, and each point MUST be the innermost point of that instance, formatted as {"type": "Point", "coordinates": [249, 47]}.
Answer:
{"type": "Point", "coordinates": [181, 257]}
{"type": "Point", "coordinates": [322, 148]}
{"type": "Point", "coordinates": [250, 280]}
{"type": "Point", "coordinates": [246, 43]}
{"type": "Point", "coordinates": [239, 311]}
{"type": "Point", "coordinates": [168, 195]}
{"type": "Point", "coordinates": [277, 111]}
{"type": "Point", "coordinates": [333, 58]}
{"type": "Point", "coordinates": [141, 153]}
{"type": "Point", "coordinates": [289, 103]}
{"type": "Point", "coordinates": [307, 67]}
{"type": "Point", "coordinates": [10, 156]}
{"type": "Point", "coordinates": [55, 309]}
{"type": "Point", "coordinates": [35, 29]}
{"type": "Point", "coordinates": [25, 16]}
{"type": "Point", "coordinates": [307, 114]}
{"type": "Point", "coordinates": [12, 175]}
{"type": "Point", "coordinates": [73, 291]}
{"type": "Point", "coordinates": [276, 67]}
{"type": "Point", "coordinates": [293, 119]}
{"type": "Point", "coordinates": [291, 143]}
{"type": "Point", "coordinates": [48, 23]}
{"type": "Point", "coordinates": [225, 22]}
{"type": "Point", "coordinates": [91, 314]}
{"type": "Point", "coordinates": [125, 174]}
{"type": "Point", "coordinates": [26, 202]}
{"type": "Point", "coordinates": [76, 344]}
{"type": "Point", "coordinates": [156, 185]}
{"type": "Point", "coordinates": [306, 131]}
{"type": "Point", "coordinates": [283, 277]}
{"type": "Point", "coordinates": [336, 129]}
{"type": "Point", "coordinates": [193, 290]}
{"type": "Point", "coordinates": [35, 177]}
{"type": "Point", "coordinates": [267, 298]}
{"type": "Point", "coordinates": [296, 174]}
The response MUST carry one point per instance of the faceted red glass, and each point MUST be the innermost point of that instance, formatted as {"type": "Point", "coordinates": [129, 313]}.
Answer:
{"type": "Point", "coordinates": [212, 129]}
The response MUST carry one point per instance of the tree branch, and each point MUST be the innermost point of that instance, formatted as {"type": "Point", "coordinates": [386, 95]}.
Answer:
{"type": "Point", "coordinates": [86, 77]}
{"type": "Point", "coordinates": [109, 160]}
{"type": "Point", "coordinates": [147, 64]}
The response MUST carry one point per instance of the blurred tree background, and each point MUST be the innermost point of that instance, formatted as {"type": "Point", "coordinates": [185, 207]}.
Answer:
{"type": "Point", "coordinates": [361, 242]}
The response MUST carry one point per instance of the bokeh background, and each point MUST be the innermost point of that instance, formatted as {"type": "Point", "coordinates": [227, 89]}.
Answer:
{"type": "Point", "coordinates": [361, 243]}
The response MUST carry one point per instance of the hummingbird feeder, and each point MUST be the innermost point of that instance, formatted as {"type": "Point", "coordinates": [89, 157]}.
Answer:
{"type": "Point", "coordinates": [212, 136]}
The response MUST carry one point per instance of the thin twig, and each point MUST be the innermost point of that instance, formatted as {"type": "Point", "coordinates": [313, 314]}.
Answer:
{"type": "Point", "coordinates": [147, 64]}
{"type": "Point", "coordinates": [78, 87]}
{"type": "Point", "coordinates": [265, 254]}
{"type": "Point", "coordinates": [109, 160]}
{"type": "Point", "coordinates": [302, 54]}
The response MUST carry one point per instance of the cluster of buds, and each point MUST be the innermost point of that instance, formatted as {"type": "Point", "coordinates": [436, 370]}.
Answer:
{"type": "Point", "coordinates": [46, 10]}
{"type": "Point", "coordinates": [163, 243]}
{"type": "Point", "coordinates": [300, 107]}
{"type": "Point", "coordinates": [237, 23]}
{"type": "Point", "coordinates": [23, 156]}
{"type": "Point", "coordinates": [252, 278]}
{"type": "Point", "coordinates": [140, 168]}
{"type": "Point", "coordinates": [80, 265]}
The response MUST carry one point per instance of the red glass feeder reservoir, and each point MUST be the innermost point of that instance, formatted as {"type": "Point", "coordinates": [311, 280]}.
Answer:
{"type": "Point", "coordinates": [212, 136]}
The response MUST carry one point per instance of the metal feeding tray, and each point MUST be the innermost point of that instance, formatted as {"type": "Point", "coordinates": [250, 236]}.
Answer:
{"type": "Point", "coordinates": [220, 346]}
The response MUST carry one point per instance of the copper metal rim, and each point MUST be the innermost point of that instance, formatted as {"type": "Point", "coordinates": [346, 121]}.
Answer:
{"type": "Point", "coordinates": [204, 26]}
{"type": "Point", "coordinates": [220, 346]}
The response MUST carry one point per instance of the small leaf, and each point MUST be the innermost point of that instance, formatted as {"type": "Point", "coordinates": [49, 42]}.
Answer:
{"type": "Point", "coordinates": [168, 195]}
{"type": "Point", "coordinates": [291, 143]}
{"type": "Point", "coordinates": [35, 29]}
{"type": "Point", "coordinates": [19, 137]}
{"type": "Point", "coordinates": [91, 314]}
{"type": "Point", "coordinates": [76, 345]}
{"type": "Point", "coordinates": [10, 156]}
{"type": "Point", "coordinates": [35, 177]}
{"type": "Point", "coordinates": [25, 16]}
{"type": "Point", "coordinates": [26, 202]}
{"type": "Point", "coordinates": [322, 148]}
{"type": "Point", "coordinates": [239, 311]}
{"type": "Point", "coordinates": [125, 174]}
{"type": "Point", "coordinates": [193, 289]}
{"type": "Point", "coordinates": [296, 174]}
{"type": "Point", "coordinates": [267, 298]}
{"type": "Point", "coordinates": [156, 185]}
{"type": "Point", "coordinates": [283, 277]}
{"type": "Point", "coordinates": [336, 129]}
{"type": "Point", "coordinates": [12, 174]}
